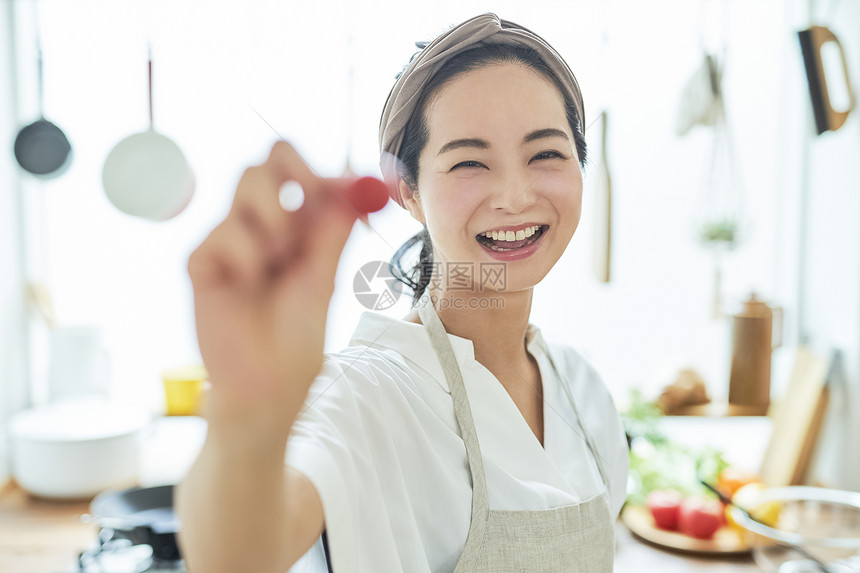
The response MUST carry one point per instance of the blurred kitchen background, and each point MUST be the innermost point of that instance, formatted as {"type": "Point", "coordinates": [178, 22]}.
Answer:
{"type": "Point", "coordinates": [229, 78]}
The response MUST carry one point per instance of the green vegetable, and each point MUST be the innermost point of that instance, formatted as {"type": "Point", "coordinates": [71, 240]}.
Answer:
{"type": "Point", "coordinates": [658, 463]}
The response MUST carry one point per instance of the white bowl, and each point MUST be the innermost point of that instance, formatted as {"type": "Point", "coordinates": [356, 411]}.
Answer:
{"type": "Point", "coordinates": [77, 448]}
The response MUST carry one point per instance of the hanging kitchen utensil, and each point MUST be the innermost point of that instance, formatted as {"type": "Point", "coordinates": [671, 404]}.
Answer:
{"type": "Point", "coordinates": [719, 212]}
{"type": "Point", "coordinates": [42, 148]}
{"type": "Point", "coordinates": [602, 193]}
{"type": "Point", "coordinates": [719, 215]}
{"type": "Point", "coordinates": [701, 100]}
{"type": "Point", "coordinates": [146, 174]}
{"type": "Point", "coordinates": [348, 173]}
{"type": "Point", "coordinates": [42, 303]}
{"type": "Point", "coordinates": [811, 42]}
{"type": "Point", "coordinates": [350, 107]}
{"type": "Point", "coordinates": [600, 181]}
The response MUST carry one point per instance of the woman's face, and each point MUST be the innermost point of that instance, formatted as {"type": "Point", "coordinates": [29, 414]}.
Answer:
{"type": "Point", "coordinates": [500, 157]}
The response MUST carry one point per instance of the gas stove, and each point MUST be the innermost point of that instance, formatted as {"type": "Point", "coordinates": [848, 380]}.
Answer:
{"type": "Point", "coordinates": [113, 553]}
{"type": "Point", "coordinates": [137, 533]}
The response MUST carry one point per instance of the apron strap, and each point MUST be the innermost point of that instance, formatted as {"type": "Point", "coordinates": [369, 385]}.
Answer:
{"type": "Point", "coordinates": [463, 414]}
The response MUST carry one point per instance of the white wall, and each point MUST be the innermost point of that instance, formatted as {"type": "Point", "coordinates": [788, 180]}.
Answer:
{"type": "Point", "coordinates": [287, 61]}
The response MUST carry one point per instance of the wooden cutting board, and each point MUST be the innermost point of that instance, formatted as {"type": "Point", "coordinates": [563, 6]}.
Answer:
{"type": "Point", "coordinates": [796, 420]}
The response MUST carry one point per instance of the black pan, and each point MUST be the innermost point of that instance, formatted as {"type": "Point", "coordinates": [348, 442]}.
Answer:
{"type": "Point", "coordinates": [144, 516]}
{"type": "Point", "coordinates": [42, 148]}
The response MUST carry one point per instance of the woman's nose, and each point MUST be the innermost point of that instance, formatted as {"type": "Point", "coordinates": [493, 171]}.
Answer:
{"type": "Point", "coordinates": [514, 191]}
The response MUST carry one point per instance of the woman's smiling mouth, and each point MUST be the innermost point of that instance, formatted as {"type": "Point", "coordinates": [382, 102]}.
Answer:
{"type": "Point", "coordinates": [509, 243]}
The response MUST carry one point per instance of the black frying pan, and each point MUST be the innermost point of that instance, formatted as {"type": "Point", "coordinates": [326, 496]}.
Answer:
{"type": "Point", "coordinates": [42, 148]}
{"type": "Point", "coordinates": [142, 515]}
{"type": "Point", "coordinates": [145, 516]}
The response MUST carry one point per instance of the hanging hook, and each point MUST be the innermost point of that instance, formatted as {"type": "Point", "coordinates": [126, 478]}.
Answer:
{"type": "Point", "coordinates": [149, 52]}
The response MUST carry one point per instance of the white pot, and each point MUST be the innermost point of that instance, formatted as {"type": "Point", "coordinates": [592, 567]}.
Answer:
{"type": "Point", "coordinates": [77, 448]}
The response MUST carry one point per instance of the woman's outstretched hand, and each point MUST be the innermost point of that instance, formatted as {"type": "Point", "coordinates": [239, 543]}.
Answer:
{"type": "Point", "coordinates": [262, 283]}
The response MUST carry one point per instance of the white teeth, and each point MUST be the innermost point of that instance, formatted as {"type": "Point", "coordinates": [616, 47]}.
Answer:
{"type": "Point", "coordinates": [512, 235]}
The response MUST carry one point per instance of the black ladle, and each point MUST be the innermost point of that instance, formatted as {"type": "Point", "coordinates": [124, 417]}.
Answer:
{"type": "Point", "coordinates": [727, 500]}
{"type": "Point", "coordinates": [42, 148]}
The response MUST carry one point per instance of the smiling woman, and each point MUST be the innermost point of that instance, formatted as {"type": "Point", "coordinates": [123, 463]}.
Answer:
{"type": "Point", "coordinates": [455, 438]}
{"type": "Point", "coordinates": [415, 135]}
{"type": "Point", "coordinates": [508, 179]}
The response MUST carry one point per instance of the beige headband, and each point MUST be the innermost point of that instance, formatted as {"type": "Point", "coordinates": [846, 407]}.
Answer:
{"type": "Point", "coordinates": [404, 96]}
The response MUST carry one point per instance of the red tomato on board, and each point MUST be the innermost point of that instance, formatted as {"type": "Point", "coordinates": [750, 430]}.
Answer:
{"type": "Point", "coordinates": [700, 518]}
{"type": "Point", "coordinates": [665, 505]}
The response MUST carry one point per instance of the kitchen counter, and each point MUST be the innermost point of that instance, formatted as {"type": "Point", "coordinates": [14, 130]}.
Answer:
{"type": "Point", "coordinates": [40, 536]}
{"type": "Point", "coordinates": [631, 555]}
{"type": "Point", "coordinates": [46, 536]}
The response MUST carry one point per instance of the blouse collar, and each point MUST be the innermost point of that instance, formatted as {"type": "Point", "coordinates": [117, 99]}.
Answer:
{"type": "Point", "coordinates": [413, 342]}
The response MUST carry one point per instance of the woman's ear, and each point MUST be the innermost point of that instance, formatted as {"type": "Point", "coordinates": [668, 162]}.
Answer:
{"type": "Point", "coordinates": [410, 201]}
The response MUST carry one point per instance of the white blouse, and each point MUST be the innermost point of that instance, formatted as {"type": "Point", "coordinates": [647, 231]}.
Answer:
{"type": "Point", "coordinates": [379, 441]}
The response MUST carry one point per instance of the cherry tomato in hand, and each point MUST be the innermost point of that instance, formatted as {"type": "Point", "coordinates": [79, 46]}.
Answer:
{"type": "Point", "coordinates": [366, 194]}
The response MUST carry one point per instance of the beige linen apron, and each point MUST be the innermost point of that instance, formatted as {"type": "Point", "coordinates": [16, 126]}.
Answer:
{"type": "Point", "coordinates": [573, 538]}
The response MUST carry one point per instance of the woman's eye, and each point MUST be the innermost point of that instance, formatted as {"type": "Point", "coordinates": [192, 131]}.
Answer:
{"type": "Point", "coordinates": [467, 164]}
{"type": "Point", "coordinates": [549, 155]}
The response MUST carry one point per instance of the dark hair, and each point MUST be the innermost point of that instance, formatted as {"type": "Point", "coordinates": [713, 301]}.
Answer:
{"type": "Point", "coordinates": [417, 133]}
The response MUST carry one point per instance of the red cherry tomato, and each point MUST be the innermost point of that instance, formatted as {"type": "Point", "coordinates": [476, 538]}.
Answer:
{"type": "Point", "coordinates": [700, 518]}
{"type": "Point", "coordinates": [665, 506]}
{"type": "Point", "coordinates": [366, 194]}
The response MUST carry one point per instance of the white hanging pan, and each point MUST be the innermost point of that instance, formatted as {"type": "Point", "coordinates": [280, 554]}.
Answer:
{"type": "Point", "coordinates": [146, 174]}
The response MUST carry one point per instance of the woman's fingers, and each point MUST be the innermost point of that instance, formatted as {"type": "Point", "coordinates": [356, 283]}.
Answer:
{"type": "Point", "coordinates": [257, 207]}
{"type": "Point", "coordinates": [323, 242]}
{"type": "Point", "coordinates": [257, 203]}
{"type": "Point", "coordinates": [287, 165]}
{"type": "Point", "coordinates": [229, 255]}
{"type": "Point", "coordinates": [259, 241]}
